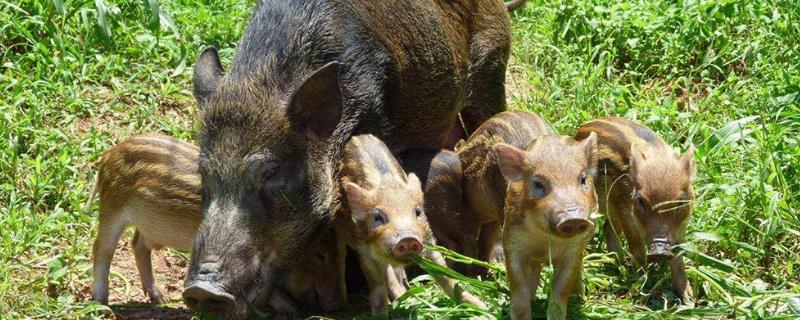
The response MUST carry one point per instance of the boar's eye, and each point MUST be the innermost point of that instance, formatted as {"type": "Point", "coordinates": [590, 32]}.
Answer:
{"type": "Point", "coordinates": [270, 168]}
{"type": "Point", "coordinates": [538, 188]}
{"type": "Point", "coordinates": [261, 168]}
{"type": "Point", "coordinates": [418, 212]}
{"type": "Point", "coordinates": [378, 218]}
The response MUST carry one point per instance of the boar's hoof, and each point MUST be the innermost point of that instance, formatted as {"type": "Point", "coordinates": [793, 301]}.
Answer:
{"type": "Point", "coordinates": [209, 298]}
{"type": "Point", "coordinates": [571, 227]}
{"type": "Point", "coordinates": [406, 248]}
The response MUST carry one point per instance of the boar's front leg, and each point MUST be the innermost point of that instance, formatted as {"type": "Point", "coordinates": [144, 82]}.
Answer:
{"type": "Point", "coordinates": [447, 284]}
{"type": "Point", "coordinates": [333, 292]}
{"type": "Point", "coordinates": [680, 282]}
{"type": "Point", "coordinates": [283, 305]}
{"type": "Point", "coordinates": [567, 269]}
{"type": "Point", "coordinates": [376, 273]}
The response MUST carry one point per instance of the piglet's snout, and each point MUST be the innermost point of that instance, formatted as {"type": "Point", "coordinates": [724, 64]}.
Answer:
{"type": "Point", "coordinates": [660, 250]}
{"type": "Point", "coordinates": [574, 226]}
{"type": "Point", "coordinates": [572, 222]}
{"type": "Point", "coordinates": [406, 246]}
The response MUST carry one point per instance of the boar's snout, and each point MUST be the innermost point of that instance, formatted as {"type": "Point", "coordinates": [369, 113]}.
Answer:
{"type": "Point", "coordinates": [205, 296]}
{"type": "Point", "coordinates": [660, 250]}
{"type": "Point", "coordinates": [407, 246]}
{"type": "Point", "coordinates": [208, 271]}
{"type": "Point", "coordinates": [571, 222]}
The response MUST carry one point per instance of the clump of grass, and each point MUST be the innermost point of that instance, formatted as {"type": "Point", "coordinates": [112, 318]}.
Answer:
{"type": "Point", "coordinates": [723, 75]}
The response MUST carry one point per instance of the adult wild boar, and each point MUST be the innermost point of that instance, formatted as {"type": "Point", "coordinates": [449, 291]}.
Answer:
{"type": "Point", "coordinates": [307, 75]}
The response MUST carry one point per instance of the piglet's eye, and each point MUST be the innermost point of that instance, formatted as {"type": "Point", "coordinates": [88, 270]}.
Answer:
{"type": "Point", "coordinates": [583, 178]}
{"type": "Point", "coordinates": [378, 218]}
{"type": "Point", "coordinates": [418, 212]}
{"type": "Point", "coordinates": [640, 203]}
{"type": "Point", "coordinates": [538, 188]}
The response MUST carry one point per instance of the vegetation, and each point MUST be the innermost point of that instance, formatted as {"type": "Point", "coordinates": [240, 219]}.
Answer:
{"type": "Point", "coordinates": [724, 75]}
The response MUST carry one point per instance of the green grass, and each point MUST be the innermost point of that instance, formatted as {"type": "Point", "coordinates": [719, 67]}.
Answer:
{"type": "Point", "coordinates": [77, 76]}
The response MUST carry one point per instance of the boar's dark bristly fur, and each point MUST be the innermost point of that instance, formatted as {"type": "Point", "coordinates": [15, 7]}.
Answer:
{"type": "Point", "coordinates": [306, 76]}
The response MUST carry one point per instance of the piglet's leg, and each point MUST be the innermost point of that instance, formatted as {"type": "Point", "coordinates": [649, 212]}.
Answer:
{"type": "Point", "coordinates": [488, 239]}
{"type": "Point", "coordinates": [536, 270]}
{"type": "Point", "coordinates": [680, 282]}
{"type": "Point", "coordinates": [623, 221]}
{"type": "Point", "coordinates": [519, 278]}
{"type": "Point", "coordinates": [566, 271]}
{"type": "Point", "coordinates": [142, 253]}
{"type": "Point", "coordinates": [612, 240]}
{"type": "Point", "coordinates": [469, 245]}
{"type": "Point", "coordinates": [447, 284]}
{"type": "Point", "coordinates": [376, 274]}
{"type": "Point", "coordinates": [396, 287]}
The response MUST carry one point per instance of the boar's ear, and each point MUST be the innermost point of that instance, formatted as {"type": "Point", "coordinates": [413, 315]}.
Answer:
{"type": "Point", "coordinates": [207, 73]}
{"type": "Point", "coordinates": [358, 200]}
{"type": "Point", "coordinates": [589, 146]}
{"type": "Point", "coordinates": [510, 160]}
{"type": "Point", "coordinates": [687, 162]}
{"type": "Point", "coordinates": [315, 108]}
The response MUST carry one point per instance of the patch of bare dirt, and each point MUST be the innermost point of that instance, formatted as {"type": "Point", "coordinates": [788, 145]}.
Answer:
{"type": "Point", "coordinates": [126, 297]}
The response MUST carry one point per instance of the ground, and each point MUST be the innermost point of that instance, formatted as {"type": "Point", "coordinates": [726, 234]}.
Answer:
{"type": "Point", "coordinates": [126, 297]}
{"type": "Point", "coordinates": [722, 75]}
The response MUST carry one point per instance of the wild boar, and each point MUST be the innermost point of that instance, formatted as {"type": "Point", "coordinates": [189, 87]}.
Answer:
{"type": "Point", "coordinates": [383, 219]}
{"type": "Point", "coordinates": [539, 185]}
{"type": "Point", "coordinates": [306, 76]}
{"type": "Point", "coordinates": [645, 191]}
{"type": "Point", "coordinates": [151, 181]}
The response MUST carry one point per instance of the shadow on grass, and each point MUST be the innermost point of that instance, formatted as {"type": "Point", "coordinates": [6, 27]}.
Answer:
{"type": "Point", "coordinates": [574, 308]}
{"type": "Point", "coordinates": [150, 311]}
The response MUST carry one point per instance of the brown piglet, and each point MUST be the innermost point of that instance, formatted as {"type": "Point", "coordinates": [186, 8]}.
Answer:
{"type": "Point", "coordinates": [383, 219]}
{"type": "Point", "coordinates": [645, 191]}
{"type": "Point", "coordinates": [152, 182]}
{"type": "Point", "coordinates": [539, 186]}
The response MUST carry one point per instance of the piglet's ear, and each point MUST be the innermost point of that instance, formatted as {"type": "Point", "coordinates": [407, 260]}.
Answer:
{"type": "Point", "coordinates": [589, 146]}
{"type": "Point", "coordinates": [636, 161]}
{"type": "Point", "coordinates": [358, 200]}
{"type": "Point", "coordinates": [688, 164]}
{"type": "Point", "coordinates": [315, 108]}
{"type": "Point", "coordinates": [511, 160]}
{"type": "Point", "coordinates": [413, 182]}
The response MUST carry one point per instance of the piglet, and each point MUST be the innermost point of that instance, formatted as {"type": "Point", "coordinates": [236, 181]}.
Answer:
{"type": "Point", "coordinates": [383, 219]}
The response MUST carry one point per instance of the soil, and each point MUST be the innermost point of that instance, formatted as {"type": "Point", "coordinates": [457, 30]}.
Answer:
{"type": "Point", "coordinates": [128, 300]}
{"type": "Point", "coordinates": [126, 297]}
